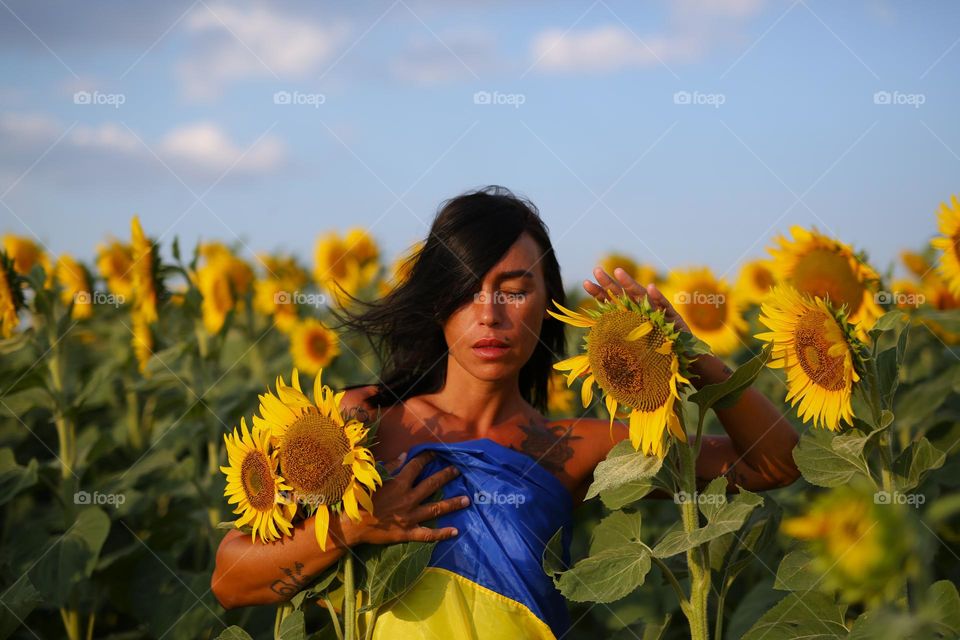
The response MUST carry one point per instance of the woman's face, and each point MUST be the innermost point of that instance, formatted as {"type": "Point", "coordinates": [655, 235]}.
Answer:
{"type": "Point", "coordinates": [509, 308]}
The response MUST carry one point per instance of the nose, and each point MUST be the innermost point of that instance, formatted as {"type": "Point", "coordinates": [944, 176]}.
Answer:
{"type": "Point", "coordinates": [489, 309]}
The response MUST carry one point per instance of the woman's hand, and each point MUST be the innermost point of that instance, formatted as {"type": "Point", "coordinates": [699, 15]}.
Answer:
{"type": "Point", "coordinates": [397, 508]}
{"type": "Point", "coordinates": [625, 282]}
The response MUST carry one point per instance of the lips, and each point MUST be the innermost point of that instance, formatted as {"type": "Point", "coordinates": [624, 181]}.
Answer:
{"type": "Point", "coordinates": [490, 342]}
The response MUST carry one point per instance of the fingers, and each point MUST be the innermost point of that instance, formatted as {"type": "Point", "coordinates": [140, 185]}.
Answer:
{"type": "Point", "coordinates": [395, 464]}
{"type": "Point", "coordinates": [424, 534]}
{"type": "Point", "coordinates": [413, 468]}
{"type": "Point", "coordinates": [429, 485]}
{"type": "Point", "coordinates": [433, 510]}
{"type": "Point", "coordinates": [624, 282]}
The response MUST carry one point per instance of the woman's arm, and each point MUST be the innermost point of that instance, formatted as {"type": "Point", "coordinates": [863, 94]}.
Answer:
{"type": "Point", "coordinates": [248, 572]}
{"type": "Point", "coordinates": [758, 454]}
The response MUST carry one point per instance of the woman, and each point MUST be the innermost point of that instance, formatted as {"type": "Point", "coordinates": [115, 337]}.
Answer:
{"type": "Point", "coordinates": [468, 347]}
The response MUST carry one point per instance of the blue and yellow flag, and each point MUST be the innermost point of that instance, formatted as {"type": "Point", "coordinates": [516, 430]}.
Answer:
{"type": "Point", "coordinates": [488, 582]}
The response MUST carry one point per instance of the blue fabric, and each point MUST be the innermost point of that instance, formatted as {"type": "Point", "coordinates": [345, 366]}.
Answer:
{"type": "Point", "coordinates": [516, 506]}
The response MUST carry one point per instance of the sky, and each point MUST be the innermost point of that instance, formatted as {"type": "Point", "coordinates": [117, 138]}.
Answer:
{"type": "Point", "coordinates": [682, 133]}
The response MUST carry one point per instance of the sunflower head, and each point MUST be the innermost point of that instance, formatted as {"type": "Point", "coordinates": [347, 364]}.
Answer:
{"type": "Point", "coordinates": [638, 359]}
{"type": "Point", "coordinates": [312, 345]}
{"type": "Point", "coordinates": [147, 286]}
{"type": "Point", "coordinates": [222, 281]}
{"type": "Point", "coordinates": [11, 295]}
{"type": "Point", "coordinates": [642, 273]}
{"type": "Point", "coordinates": [346, 265]}
{"type": "Point", "coordinates": [949, 243]}
{"type": "Point", "coordinates": [824, 267]}
{"type": "Point", "coordinates": [114, 262]}
{"type": "Point", "coordinates": [323, 458]}
{"type": "Point", "coordinates": [709, 307]}
{"type": "Point", "coordinates": [819, 351]}
{"type": "Point", "coordinates": [25, 254]}
{"type": "Point", "coordinates": [254, 485]}
{"type": "Point", "coordinates": [75, 286]}
{"type": "Point", "coordinates": [754, 282]}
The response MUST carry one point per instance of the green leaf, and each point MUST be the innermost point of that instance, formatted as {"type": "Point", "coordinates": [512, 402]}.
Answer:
{"type": "Point", "coordinates": [292, 627]}
{"type": "Point", "coordinates": [393, 569]}
{"type": "Point", "coordinates": [234, 632]}
{"type": "Point", "coordinates": [811, 616]}
{"type": "Point", "coordinates": [13, 477]}
{"type": "Point", "coordinates": [889, 321]}
{"type": "Point", "coordinates": [552, 558]}
{"type": "Point", "coordinates": [616, 529]}
{"type": "Point", "coordinates": [19, 600]}
{"type": "Point", "coordinates": [622, 466]}
{"type": "Point", "coordinates": [795, 572]}
{"type": "Point", "coordinates": [727, 518]}
{"type": "Point", "coordinates": [73, 556]}
{"type": "Point", "coordinates": [830, 461]}
{"type": "Point", "coordinates": [888, 368]}
{"type": "Point", "coordinates": [727, 393]}
{"type": "Point", "coordinates": [914, 462]}
{"type": "Point", "coordinates": [607, 576]}
{"type": "Point", "coordinates": [713, 497]}
{"type": "Point", "coordinates": [943, 605]}
{"type": "Point", "coordinates": [923, 399]}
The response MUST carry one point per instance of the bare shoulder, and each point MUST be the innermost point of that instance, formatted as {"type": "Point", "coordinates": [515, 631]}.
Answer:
{"type": "Point", "coordinates": [354, 403]}
{"type": "Point", "coordinates": [594, 436]}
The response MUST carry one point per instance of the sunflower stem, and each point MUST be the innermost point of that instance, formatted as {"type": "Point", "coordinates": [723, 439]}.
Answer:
{"type": "Point", "coordinates": [66, 430]}
{"type": "Point", "coordinates": [349, 598]}
{"type": "Point", "coordinates": [133, 417]}
{"type": "Point", "coordinates": [335, 619]}
{"type": "Point", "coordinates": [71, 623]}
{"type": "Point", "coordinates": [284, 609]}
{"type": "Point", "coordinates": [696, 557]}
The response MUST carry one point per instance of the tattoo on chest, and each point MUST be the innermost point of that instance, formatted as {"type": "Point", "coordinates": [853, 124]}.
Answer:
{"type": "Point", "coordinates": [293, 581]}
{"type": "Point", "coordinates": [550, 446]}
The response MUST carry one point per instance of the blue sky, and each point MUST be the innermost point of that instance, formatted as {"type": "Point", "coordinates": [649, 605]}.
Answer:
{"type": "Point", "coordinates": [683, 133]}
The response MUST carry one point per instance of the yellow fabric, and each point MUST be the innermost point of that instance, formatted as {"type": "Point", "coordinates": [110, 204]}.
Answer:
{"type": "Point", "coordinates": [444, 605]}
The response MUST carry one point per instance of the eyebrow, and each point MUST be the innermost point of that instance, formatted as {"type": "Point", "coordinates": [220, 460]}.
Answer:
{"type": "Point", "coordinates": [517, 273]}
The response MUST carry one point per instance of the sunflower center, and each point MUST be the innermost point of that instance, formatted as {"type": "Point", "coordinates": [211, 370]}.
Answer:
{"type": "Point", "coordinates": [318, 345]}
{"type": "Point", "coordinates": [823, 272]}
{"type": "Point", "coordinates": [706, 309]}
{"type": "Point", "coordinates": [257, 480]}
{"type": "Point", "coordinates": [631, 371]}
{"type": "Point", "coordinates": [763, 279]}
{"type": "Point", "coordinates": [812, 345]}
{"type": "Point", "coordinates": [311, 459]}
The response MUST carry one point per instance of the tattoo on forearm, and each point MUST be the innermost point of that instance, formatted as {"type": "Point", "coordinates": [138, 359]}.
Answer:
{"type": "Point", "coordinates": [293, 582]}
{"type": "Point", "coordinates": [550, 446]}
{"type": "Point", "coordinates": [358, 413]}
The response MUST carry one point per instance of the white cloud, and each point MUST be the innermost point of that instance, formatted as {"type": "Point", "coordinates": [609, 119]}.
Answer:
{"type": "Point", "coordinates": [241, 43]}
{"type": "Point", "coordinates": [200, 150]}
{"type": "Point", "coordinates": [204, 145]}
{"type": "Point", "coordinates": [693, 29]}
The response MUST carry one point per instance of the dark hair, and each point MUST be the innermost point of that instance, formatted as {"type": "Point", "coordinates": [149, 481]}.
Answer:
{"type": "Point", "coordinates": [469, 235]}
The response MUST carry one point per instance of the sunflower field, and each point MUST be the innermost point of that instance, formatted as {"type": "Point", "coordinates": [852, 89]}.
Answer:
{"type": "Point", "coordinates": [126, 386]}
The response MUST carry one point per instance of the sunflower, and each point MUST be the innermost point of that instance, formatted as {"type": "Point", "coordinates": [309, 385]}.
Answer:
{"type": "Point", "coordinates": [254, 485]}
{"type": "Point", "coordinates": [322, 458]}
{"type": "Point", "coordinates": [312, 345]}
{"type": "Point", "coordinates": [708, 306]}
{"type": "Point", "coordinates": [754, 281]}
{"type": "Point", "coordinates": [817, 348]}
{"type": "Point", "coordinates": [25, 254]}
{"type": "Point", "coordinates": [75, 283]}
{"type": "Point", "coordinates": [11, 296]}
{"type": "Point", "coordinates": [642, 273]}
{"type": "Point", "coordinates": [823, 267]}
{"type": "Point", "coordinates": [636, 359]}
{"type": "Point", "coordinates": [949, 243]}
{"type": "Point", "coordinates": [114, 262]}
{"type": "Point", "coordinates": [146, 284]}
{"type": "Point", "coordinates": [222, 281]}
{"type": "Point", "coordinates": [862, 544]}
{"type": "Point", "coordinates": [349, 264]}
{"type": "Point", "coordinates": [275, 298]}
